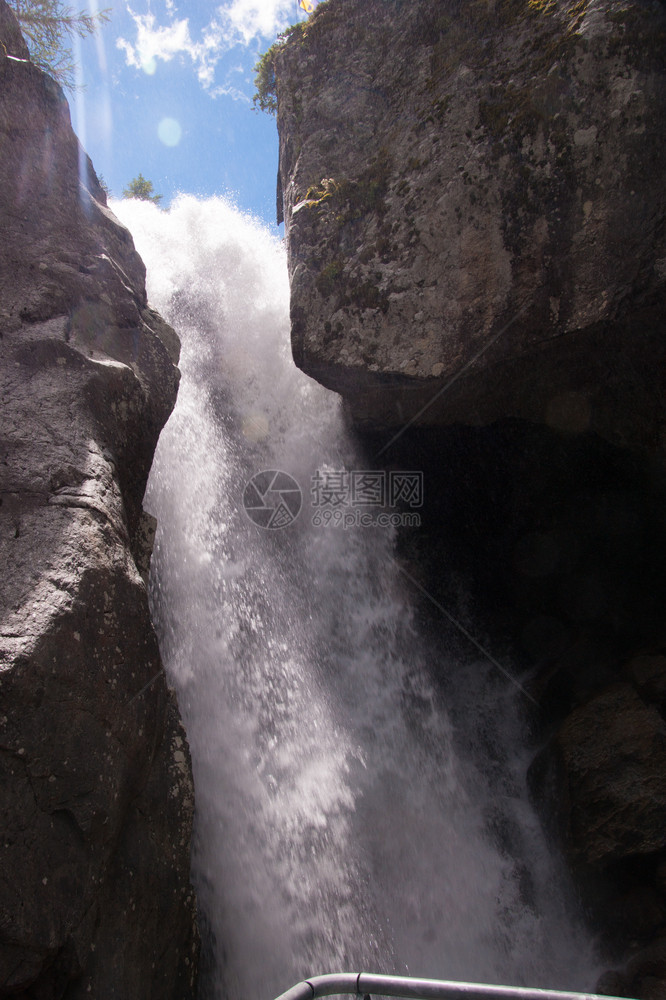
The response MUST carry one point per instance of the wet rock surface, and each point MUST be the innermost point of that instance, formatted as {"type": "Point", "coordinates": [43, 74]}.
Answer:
{"type": "Point", "coordinates": [97, 796]}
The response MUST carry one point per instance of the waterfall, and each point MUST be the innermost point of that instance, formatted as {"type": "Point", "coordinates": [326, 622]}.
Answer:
{"type": "Point", "coordinates": [346, 818]}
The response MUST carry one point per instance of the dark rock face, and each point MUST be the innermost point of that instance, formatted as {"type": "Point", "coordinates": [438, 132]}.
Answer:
{"type": "Point", "coordinates": [474, 208]}
{"type": "Point", "coordinates": [474, 205]}
{"type": "Point", "coordinates": [97, 795]}
{"type": "Point", "coordinates": [604, 746]}
{"type": "Point", "coordinates": [549, 549]}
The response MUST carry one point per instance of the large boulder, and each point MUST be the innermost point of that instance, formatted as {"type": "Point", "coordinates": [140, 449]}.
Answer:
{"type": "Point", "coordinates": [602, 780]}
{"type": "Point", "coordinates": [608, 770]}
{"type": "Point", "coordinates": [97, 798]}
{"type": "Point", "coordinates": [474, 204]}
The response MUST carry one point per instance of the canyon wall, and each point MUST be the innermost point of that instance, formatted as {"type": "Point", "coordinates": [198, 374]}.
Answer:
{"type": "Point", "coordinates": [97, 795]}
{"type": "Point", "coordinates": [474, 205]}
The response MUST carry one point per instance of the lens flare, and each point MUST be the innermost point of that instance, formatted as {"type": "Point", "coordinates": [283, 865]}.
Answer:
{"type": "Point", "coordinates": [169, 131]}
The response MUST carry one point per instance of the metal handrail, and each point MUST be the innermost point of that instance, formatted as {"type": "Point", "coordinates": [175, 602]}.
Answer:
{"type": "Point", "coordinates": [364, 983]}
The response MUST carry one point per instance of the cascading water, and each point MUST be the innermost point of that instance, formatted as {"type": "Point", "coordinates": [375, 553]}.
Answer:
{"type": "Point", "coordinates": [339, 824]}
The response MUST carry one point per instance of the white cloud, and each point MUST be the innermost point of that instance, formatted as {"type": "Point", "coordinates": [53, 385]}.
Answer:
{"type": "Point", "coordinates": [155, 42]}
{"type": "Point", "coordinates": [250, 19]}
{"type": "Point", "coordinates": [228, 91]}
{"type": "Point", "coordinates": [237, 22]}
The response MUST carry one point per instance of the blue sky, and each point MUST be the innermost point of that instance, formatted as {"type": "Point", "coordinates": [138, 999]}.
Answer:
{"type": "Point", "coordinates": [167, 92]}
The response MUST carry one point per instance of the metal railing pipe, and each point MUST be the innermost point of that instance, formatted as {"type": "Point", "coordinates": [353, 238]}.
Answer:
{"type": "Point", "coordinates": [421, 989]}
{"type": "Point", "coordinates": [323, 986]}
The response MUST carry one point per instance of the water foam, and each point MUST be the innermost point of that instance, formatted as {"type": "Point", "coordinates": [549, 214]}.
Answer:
{"type": "Point", "coordinates": [338, 824]}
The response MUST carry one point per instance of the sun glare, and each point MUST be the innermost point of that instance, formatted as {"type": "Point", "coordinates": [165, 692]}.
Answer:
{"type": "Point", "coordinates": [169, 131]}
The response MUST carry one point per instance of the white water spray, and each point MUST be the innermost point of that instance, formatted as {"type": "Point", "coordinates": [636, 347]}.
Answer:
{"type": "Point", "coordinates": [338, 828]}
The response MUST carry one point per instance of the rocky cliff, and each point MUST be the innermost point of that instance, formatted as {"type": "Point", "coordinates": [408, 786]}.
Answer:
{"type": "Point", "coordinates": [96, 785]}
{"type": "Point", "coordinates": [474, 204]}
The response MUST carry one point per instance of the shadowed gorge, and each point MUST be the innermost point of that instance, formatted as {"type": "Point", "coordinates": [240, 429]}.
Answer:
{"type": "Point", "coordinates": [406, 492]}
